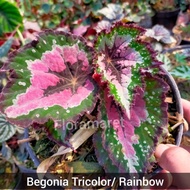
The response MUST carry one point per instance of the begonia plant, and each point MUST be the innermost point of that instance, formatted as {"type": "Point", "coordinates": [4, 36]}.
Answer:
{"type": "Point", "coordinates": [57, 77]}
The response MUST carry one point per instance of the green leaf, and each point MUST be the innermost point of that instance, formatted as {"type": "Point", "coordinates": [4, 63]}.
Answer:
{"type": "Point", "coordinates": [10, 17]}
{"type": "Point", "coordinates": [129, 143]}
{"type": "Point", "coordinates": [102, 154]}
{"type": "Point", "coordinates": [7, 130]}
{"type": "Point", "coordinates": [182, 72]}
{"type": "Point", "coordinates": [46, 8]}
{"type": "Point", "coordinates": [56, 8]}
{"type": "Point", "coordinates": [180, 58]}
{"type": "Point", "coordinates": [4, 49]}
{"type": "Point", "coordinates": [87, 1]}
{"type": "Point", "coordinates": [95, 6]}
{"type": "Point", "coordinates": [68, 4]}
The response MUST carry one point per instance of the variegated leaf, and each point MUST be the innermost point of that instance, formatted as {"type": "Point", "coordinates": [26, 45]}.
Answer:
{"type": "Point", "coordinates": [120, 57]}
{"type": "Point", "coordinates": [7, 130]}
{"type": "Point", "coordinates": [133, 102]}
{"type": "Point", "coordinates": [50, 79]}
{"type": "Point", "coordinates": [130, 143]}
{"type": "Point", "coordinates": [182, 72]}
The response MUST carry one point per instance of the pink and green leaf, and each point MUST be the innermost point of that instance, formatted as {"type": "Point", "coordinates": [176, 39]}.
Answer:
{"type": "Point", "coordinates": [133, 105]}
{"type": "Point", "coordinates": [130, 142]}
{"type": "Point", "coordinates": [50, 78]}
{"type": "Point", "coordinates": [120, 55]}
{"type": "Point", "coordinates": [102, 154]}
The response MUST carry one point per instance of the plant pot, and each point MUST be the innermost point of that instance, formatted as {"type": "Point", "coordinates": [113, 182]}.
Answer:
{"type": "Point", "coordinates": [146, 22]}
{"type": "Point", "coordinates": [23, 173]}
{"type": "Point", "coordinates": [176, 98]}
{"type": "Point", "coordinates": [166, 18]}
